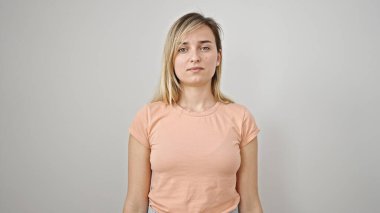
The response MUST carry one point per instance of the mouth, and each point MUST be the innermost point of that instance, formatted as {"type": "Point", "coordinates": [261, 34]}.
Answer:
{"type": "Point", "coordinates": [195, 69]}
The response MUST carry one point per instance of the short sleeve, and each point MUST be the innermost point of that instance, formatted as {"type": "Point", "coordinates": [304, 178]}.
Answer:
{"type": "Point", "coordinates": [249, 128]}
{"type": "Point", "coordinates": [139, 127]}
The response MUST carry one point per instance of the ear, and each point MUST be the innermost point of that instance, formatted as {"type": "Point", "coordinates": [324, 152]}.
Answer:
{"type": "Point", "coordinates": [219, 58]}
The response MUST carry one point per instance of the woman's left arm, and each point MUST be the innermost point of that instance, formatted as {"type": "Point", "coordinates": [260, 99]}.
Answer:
{"type": "Point", "coordinates": [247, 179]}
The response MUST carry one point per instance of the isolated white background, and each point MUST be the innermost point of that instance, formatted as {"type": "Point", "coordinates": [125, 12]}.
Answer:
{"type": "Point", "coordinates": [74, 73]}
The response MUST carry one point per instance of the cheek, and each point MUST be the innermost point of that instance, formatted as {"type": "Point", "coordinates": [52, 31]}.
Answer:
{"type": "Point", "coordinates": [211, 59]}
{"type": "Point", "coordinates": [178, 63]}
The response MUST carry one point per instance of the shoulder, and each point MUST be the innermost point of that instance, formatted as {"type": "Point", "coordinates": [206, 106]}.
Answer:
{"type": "Point", "coordinates": [157, 106]}
{"type": "Point", "coordinates": [149, 112]}
{"type": "Point", "coordinates": [235, 109]}
{"type": "Point", "coordinates": [153, 109]}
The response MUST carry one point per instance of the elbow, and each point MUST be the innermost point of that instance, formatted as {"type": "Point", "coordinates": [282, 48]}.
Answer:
{"type": "Point", "coordinates": [135, 207]}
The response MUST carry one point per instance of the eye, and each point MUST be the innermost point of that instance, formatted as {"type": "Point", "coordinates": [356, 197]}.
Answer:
{"type": "Point", "coordinates": [182, 50]}
{"type": "Point", "coordinates": [205, 48]}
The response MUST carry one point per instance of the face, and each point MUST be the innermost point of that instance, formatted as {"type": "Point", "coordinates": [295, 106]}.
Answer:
{"type": "Point", "coordinates": [197, 57]}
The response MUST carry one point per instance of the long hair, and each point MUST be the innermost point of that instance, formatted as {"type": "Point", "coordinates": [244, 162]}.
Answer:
{"type": "Point", "coordinates": [169, 88]}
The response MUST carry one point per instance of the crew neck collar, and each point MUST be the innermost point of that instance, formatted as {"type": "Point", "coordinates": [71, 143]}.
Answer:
{"type": "Point", "coordinates": [195, 113]}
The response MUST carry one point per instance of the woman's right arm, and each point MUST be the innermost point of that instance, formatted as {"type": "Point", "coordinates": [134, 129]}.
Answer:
{"type": "Point", "coordinates": [139, 174]}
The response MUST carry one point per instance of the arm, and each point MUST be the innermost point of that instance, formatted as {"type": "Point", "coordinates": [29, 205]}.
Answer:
{"type": "Point", "coordinates": [247, 180]}
{"type": "Point", "coordinates": [139, 174]}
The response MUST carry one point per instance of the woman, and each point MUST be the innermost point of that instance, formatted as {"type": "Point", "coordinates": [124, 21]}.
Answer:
{"type": "Point", "coordinates": [192, 149]}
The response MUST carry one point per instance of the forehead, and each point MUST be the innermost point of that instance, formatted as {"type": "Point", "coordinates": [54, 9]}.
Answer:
{"type": "Point", "coordinates": [200, 34]}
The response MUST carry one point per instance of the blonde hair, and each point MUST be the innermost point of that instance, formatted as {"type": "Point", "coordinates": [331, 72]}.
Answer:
{"type": "Point", "coordinates": [169, 88]}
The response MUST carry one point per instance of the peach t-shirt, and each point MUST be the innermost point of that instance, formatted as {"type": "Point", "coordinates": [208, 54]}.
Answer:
{"type": "Point", "coordinates": [194, 155]}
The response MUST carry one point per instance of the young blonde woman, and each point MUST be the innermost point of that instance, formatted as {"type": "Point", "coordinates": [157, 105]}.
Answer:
{"type": "Point", "coordinates": [192, 149]}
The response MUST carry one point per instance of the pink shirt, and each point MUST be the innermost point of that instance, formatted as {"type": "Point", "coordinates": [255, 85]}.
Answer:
{"type": "Point", "coordinates": [194, 155]}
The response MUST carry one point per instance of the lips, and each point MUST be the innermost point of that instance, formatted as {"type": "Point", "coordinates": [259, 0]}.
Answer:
{"type": "Point", "coordinates": [195, 68]}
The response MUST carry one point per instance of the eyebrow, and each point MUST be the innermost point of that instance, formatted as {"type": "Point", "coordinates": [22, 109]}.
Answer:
{"type": "Point", "coordinates": [201, 42]}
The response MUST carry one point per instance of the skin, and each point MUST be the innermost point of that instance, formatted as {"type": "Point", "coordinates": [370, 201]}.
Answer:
{"type": "Point", "coordinates": [198, 48]}
{"type": "Point", "coordinates": [139, 174]}
{"type": "Point", "coordinates": [246, 179]}
{"type": "Point", "coordinates": [197, 96]}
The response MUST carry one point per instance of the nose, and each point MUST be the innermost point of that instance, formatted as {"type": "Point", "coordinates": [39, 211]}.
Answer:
{"type": "Point", "coordinates": [195, 56]}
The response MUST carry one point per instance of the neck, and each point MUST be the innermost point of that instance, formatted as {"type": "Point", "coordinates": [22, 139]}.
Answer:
{"type": "Point", "coordinates": [197, 98]}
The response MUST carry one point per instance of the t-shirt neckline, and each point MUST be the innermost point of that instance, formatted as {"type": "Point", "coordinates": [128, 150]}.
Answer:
{"type": "Point", "coordinates": [195, 113]}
